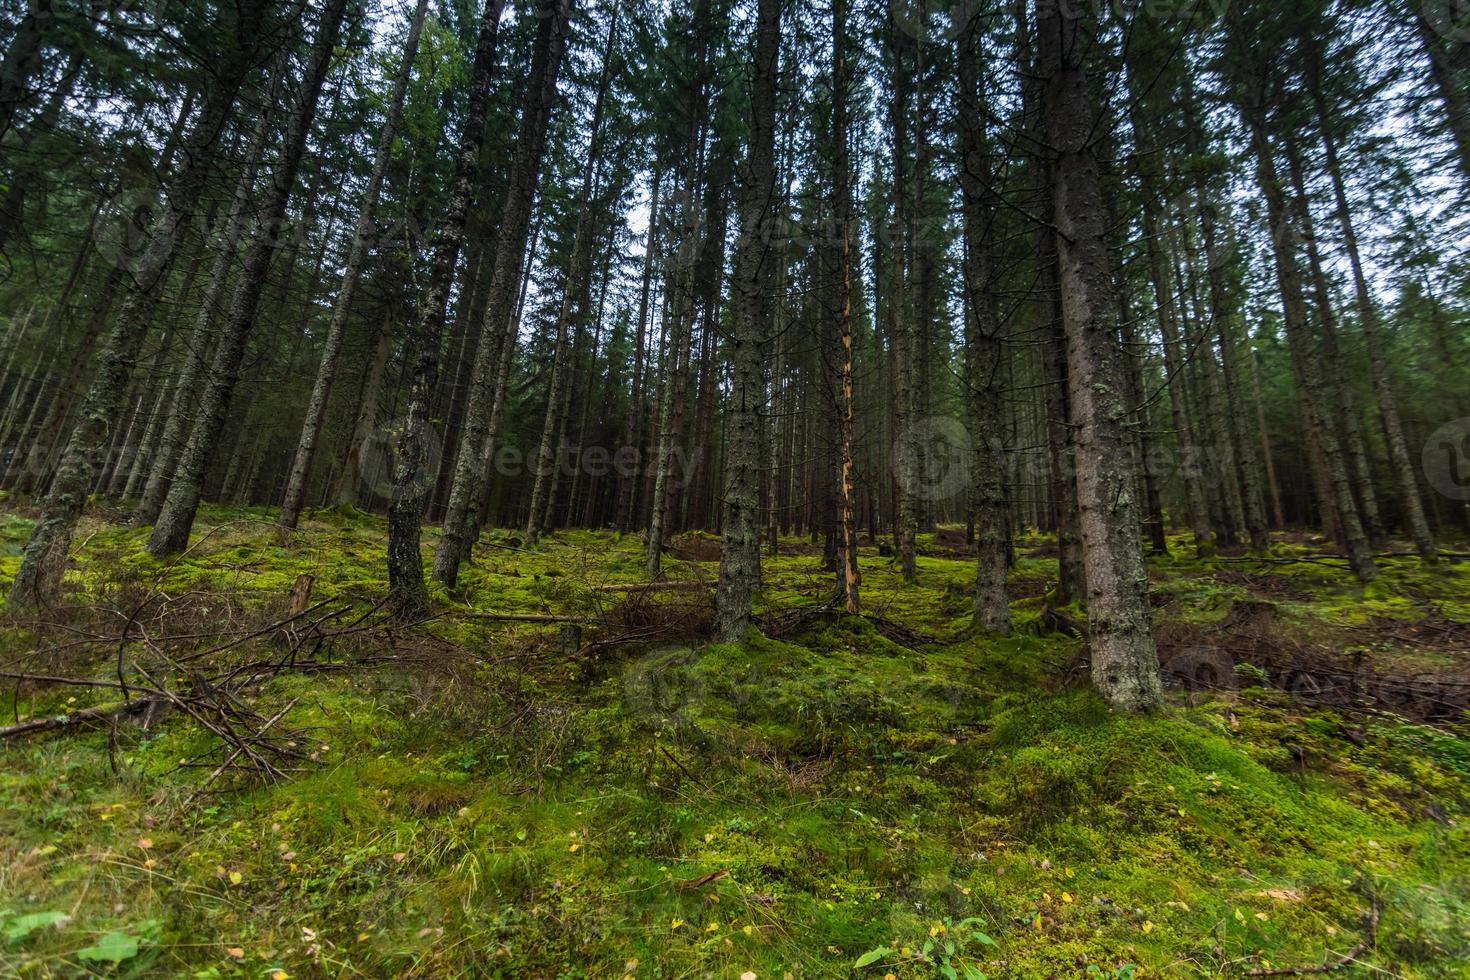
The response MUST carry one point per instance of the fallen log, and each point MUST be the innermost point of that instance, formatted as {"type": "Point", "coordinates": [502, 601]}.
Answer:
{"type": "Point", "coordinates": [681, 586]}
{"type": "Point", "coordinates": [99, 712]}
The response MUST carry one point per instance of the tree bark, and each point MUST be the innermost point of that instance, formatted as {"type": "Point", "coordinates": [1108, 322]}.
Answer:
{"type": "Point", "coordinates": [754, 264]}
{"type": "Point", "coordinates": [200, 344]}
{"type": "Point", "coordinates": [1398, 449]}
{"type": "Point", "coordinates": [412, 467]}
{"type": "Point", "coordinates": [557, 389]}
{"type": "Point", "coordinates": [1124, 660]}
{"type": "Point", "coordinates": [1284, 240]}
{"type": "Point", "coordinates": [985, 343]}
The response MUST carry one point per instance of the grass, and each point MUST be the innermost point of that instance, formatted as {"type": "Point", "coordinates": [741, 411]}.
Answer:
{"type": "Point", "coordinates": [774, 808]}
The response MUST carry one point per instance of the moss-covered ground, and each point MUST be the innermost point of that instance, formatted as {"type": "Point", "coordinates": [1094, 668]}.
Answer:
{"type": "Point", "coordinates": [490, 804]}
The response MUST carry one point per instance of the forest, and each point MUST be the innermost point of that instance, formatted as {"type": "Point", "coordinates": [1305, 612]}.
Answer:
{"type": "Point", "coordinates": [756, 489]}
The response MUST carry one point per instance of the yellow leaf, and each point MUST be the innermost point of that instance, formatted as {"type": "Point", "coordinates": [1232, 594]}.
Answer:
{"type": "Point", "coordinates": [574, 847]}
{"type": "Point", "coordinates": [1067, 898]}
{"type": "Point", "coordinates": [712, 927]}
{"type": "Point", "coordinates": [362, 937]}
{"type": "Point", "coordinates": [676, 923]}
{"type": "Point", "coordinates": [280, 975]}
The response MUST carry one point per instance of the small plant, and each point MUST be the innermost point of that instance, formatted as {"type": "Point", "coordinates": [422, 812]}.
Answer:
{"type": "Point", "coordinates": [1124, 972]}
{"type": "Point", "coordinates": [946, 948]}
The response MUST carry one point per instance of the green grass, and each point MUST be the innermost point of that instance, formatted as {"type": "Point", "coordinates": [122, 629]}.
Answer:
{"type": "Point", "coordinates": [778, 808]}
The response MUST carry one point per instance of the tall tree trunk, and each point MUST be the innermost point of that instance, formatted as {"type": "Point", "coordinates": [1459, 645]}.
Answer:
{"type": "Point", "coordinates": [985, 342]}
{"type": "Point", "coordinates": [1315, 400]}
{"type": "Point", "coordinates": [1447, 76]}
{"type": "Point", "coordinates": [631, 452]}
{"type": "Point", "coordinates": [1345, 404]}
{"type": "Point", "coordinates": [321, 389]}
{"type": "Point", "coordinates": [176, 519]}
{"type": "Point", "coordinates": [510, 256]}
{"type": "Point", "coordinates": [754, 265]}
{"type": "Point", "coordinates": [582, 243]}
{"type": "Point", "coordinates": [1398, 448]}
{"type": "Point", "coordinates": [197, 349]}
{"type": "Point", "coordinates": [21, 62]}
{"type": "Point", "coordinates": [1124, 660]}
{"type": "Point", "coordinates": [412, 467]}
{"type": "Point", "coordinates": [850, 578]}
{"type": "Point", "coordinates": [1167, 311]}
{"type": "Point", "coordinates": [903, 332]}
{"type": "Point", "coordinates": [44, 561]}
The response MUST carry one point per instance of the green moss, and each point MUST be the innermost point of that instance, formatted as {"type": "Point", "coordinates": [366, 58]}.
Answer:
{"type": "Point", "coordinates": [767, 806]}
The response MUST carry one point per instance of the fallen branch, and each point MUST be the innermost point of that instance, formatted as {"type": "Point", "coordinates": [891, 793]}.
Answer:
{"type": "Point", "coordinates": [102, 711]}
{"type": "Point", "coordinates": [681, 586]}
{"type": "Point", "coordinates": [528, 618]}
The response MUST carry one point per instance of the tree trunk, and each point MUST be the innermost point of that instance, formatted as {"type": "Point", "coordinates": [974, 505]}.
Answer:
{"type": "Point", "coordinates": [631, 451]}
{"type": "Point", "coordinates": [181, 416]}
{"type": "Point", "coordinates": [557, 389]}
{"type": "Point", "coordinates": [985, 343]}
{"type": "Point", "coordinates": [1149, 182]}
{"type": "Point", "coordinates": [851, 578]}
{"type": "Point", "coordinates": [1448, 80]}
{"type": "Point", "coordinates": [412, 467]}
{"type": "Point", "coordinates": [176, 519]}
{"type": "Point", "coordinates": [903, 333]}
{"type": "Point", "coordinates": [44, 561]}
{"type": "Point", "coordinates": [1398, 448]}
{"type": "Point", "coordinates": [754, 264]}
{"type": "Point", "coordinates": [1124, 660]}
{"type": "Point", "coordinates": [510, 256]}
{"type": "Point", "coordinates": [321, 390]}
{"type": "Point", "coordinates": [1284, 240]}
{"type": "Point", "coordinates": [1345, 404]}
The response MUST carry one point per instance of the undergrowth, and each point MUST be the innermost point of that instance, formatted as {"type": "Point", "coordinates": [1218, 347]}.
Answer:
{"type": "Point", "coordinates": [770, 808]}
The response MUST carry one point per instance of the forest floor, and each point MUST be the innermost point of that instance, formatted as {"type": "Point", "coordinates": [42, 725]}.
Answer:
{"type": "Point", "coordinates": [888, 796]}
